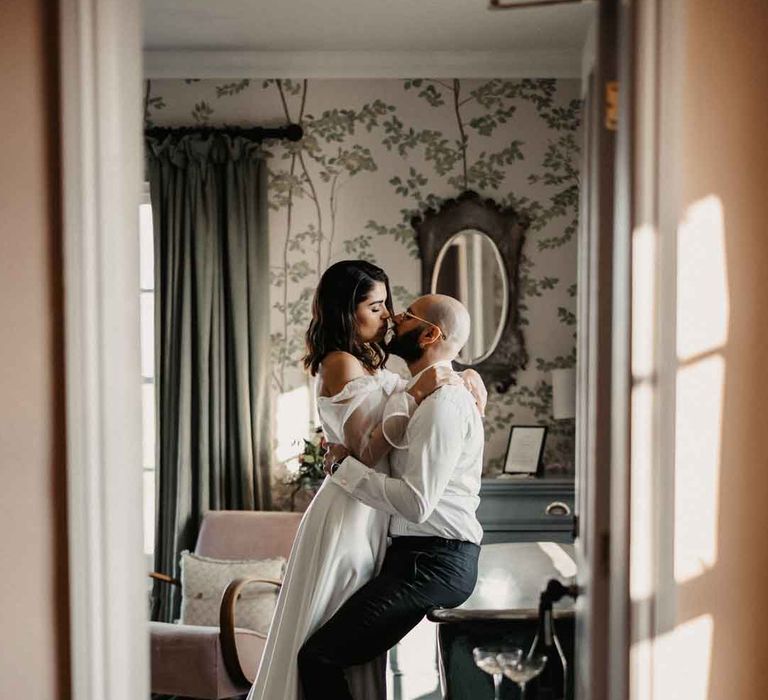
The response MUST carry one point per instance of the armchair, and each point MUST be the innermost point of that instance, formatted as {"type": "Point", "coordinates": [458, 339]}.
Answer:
{"type": "Point", "coordinates": [220, 662]}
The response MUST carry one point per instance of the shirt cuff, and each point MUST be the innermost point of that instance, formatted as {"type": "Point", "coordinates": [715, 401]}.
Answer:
{"type": "Point", "coordinates": [397, 412]}
{"type": "Point", "coordinates": [350, 473]}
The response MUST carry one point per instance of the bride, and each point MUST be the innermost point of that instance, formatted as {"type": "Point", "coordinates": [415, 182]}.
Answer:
{"type": "Point", "coordinates": [340, 543]}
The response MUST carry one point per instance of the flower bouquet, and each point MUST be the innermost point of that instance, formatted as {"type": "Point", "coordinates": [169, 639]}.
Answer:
{"type": "Point", "coordinates": [310, 473]}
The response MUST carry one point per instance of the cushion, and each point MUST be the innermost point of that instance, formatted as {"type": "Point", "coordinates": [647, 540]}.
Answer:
{"type": "Point", "coordinates": [203, 580]}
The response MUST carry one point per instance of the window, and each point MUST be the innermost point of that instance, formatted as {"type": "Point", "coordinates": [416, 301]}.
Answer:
{"type": "Point", "coordinates": [147, 316]}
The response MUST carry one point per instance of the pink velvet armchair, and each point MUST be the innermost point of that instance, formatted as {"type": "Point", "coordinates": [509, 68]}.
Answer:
{"type": "Point", "coordinates": [220, 662]}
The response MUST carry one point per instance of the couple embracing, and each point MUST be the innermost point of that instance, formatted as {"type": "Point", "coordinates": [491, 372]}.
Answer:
{"type": "Point", "coordinates": [392, 531]}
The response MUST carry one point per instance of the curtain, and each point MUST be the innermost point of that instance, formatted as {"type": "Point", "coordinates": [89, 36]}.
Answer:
{"type": "Point", "coordinates": [212, 350]}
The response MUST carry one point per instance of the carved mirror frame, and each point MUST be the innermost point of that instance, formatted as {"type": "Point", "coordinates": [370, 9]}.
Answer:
{"type": "Point", "coordinates": [506, 228]}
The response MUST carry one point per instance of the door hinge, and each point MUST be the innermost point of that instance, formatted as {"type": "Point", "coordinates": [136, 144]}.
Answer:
{"type": "Point", "coordinates": [612, 105]}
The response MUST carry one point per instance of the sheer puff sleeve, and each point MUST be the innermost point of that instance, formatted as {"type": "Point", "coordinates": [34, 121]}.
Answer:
{"type": "Point", "coordinates": [376, 411]}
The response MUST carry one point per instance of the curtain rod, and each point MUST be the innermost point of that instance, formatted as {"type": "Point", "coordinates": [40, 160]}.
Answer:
{"type": "Point", "coordinates": [291, 132]}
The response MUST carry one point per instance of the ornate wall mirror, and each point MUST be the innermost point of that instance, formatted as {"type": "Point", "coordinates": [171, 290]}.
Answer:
{"type": "Point", "coordinates": [470, 249]}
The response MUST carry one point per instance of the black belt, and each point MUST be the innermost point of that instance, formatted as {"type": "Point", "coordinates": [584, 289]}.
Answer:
{"type": "Point", "coordinates": [409, 541]}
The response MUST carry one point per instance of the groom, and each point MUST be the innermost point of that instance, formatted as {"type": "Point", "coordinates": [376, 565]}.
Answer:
{"type": "Point", "coordinates": [432, 497]}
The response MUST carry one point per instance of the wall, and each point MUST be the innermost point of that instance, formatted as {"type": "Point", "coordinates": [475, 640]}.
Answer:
{"type": "Point", "coordinates": [34, 662]}
{"type": "Point", "coordinates": [731, 169]}
{"type": "Point", "coordinates": [709, 601]}
{"type": "Point", "coordinates": [378, 151]}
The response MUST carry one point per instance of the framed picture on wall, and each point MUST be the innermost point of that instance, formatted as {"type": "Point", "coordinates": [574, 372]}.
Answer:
{"type": "Point", "coordinates": [525, 449]}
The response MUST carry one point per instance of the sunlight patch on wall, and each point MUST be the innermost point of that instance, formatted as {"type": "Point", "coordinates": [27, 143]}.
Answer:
{"type": "Point", "coordinates": [687, 646]}
{"type": "Point", "coordinates": [640, 670]}
{"type": "Point", "coordinates": [643, 301]}
{"type": "Point", "coordinates": [702, 328]}
{"type": "Point", "coordinates": [644, 245]}
{"type": "Point", "coordinates": [560, 559]}
{"type": "Point", "coordinates": [698, 437]}
{"type": "Point", "coordinates": [702, 284]}
{"type": "Point", "coordinates": [292, 422]}
{"type": "Point", "coordinates": [642, 551]}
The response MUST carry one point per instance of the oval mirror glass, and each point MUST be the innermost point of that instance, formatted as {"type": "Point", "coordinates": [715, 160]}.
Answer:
{"type": "Point", "coordinates": [469, 267]}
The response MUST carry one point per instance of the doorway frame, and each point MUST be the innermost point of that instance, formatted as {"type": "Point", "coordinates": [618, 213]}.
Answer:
{"type": "Point", "coordinates": [100, 73]}
{"type": "Point", "coordinates": [101, 86]}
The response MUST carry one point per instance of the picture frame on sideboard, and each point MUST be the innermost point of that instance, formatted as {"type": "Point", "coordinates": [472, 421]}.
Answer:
{"type": "Point", "coordinates": [525, 449]}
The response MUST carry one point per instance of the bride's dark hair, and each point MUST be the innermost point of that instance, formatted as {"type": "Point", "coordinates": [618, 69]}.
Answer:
{"type": "Point", "coordinates": [333, 326]}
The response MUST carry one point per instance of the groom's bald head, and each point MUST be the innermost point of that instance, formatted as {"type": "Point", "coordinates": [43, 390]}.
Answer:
{"type": "Point", "coordinates": [449, 315]}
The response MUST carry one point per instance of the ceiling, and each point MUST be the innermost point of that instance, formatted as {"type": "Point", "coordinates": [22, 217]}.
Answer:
{"type": "Point", "coordinates": [385, 27]}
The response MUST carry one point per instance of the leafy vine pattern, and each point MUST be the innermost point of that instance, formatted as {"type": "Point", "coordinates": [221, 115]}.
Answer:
{"type": "Point", "coordinates": [377, 153]}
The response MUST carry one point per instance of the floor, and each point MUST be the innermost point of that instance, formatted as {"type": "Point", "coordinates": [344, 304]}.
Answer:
{"type": "Point", "coordinates": [412, 670]}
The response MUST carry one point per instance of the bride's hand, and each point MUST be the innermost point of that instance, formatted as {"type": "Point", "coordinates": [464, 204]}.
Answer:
{"type": "Point", "coordinates": [431, 379]}
{"type": "Point", "coordinates": [474, 383]}
{"type": "Point", "coordinates": [334, 454]}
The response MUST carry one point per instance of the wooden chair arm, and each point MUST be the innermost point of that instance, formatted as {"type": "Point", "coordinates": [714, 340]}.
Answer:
{"type": "Point", "coordinates": [164, 578]}
{"type": "Point", "coordinates": [227, 626]}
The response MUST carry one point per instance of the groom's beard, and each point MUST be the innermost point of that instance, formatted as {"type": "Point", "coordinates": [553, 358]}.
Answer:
{"type": "Point", "coordinates": [406, 345]}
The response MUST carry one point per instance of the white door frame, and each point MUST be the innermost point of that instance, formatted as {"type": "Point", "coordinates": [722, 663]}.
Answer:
{"type": "Point", "coordinates": [604, 356]}
{"type": "Point", "coordinates": [101, 176]}
{"type": "Point", "coordinates": [101, 81]}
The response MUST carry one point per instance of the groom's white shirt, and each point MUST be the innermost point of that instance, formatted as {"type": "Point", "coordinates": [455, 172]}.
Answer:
{"type": "Point", "coordinates": [435, 484]}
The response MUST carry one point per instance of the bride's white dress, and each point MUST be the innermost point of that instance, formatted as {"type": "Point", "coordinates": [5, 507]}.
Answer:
{"type": "Point", "coordinates": [339, 546]}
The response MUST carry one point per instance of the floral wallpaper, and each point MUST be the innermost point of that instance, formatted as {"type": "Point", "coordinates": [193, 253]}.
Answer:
{"type": "Point", "coordinates": [376, 152]}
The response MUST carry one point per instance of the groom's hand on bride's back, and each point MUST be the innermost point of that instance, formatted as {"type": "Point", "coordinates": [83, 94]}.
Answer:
{"type": "Point", "coordinates": [335, 454]}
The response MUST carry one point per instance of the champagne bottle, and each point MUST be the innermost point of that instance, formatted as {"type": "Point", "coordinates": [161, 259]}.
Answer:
{"type": "Point", "coordinates": [551, 683]}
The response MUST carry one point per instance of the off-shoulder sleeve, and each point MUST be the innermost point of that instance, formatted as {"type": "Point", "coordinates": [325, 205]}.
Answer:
{"type": "Point", "coordinates": [359, 407]}
{"type": "Point", "coordinates": [361, 423]}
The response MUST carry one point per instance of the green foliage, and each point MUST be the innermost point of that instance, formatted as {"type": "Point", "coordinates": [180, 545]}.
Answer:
{"type": "Point", "coordinates": [401, 297]}
{"type": "Point", "coordinates": [350, 161]}
{"type": "Point", "coordinates": [202, 112]}
{"type": "Point", "coordinates": [567, 317]}
{"type": "Point", "coordinates": [229, 89]}
{"type": "Point", "coordinates": [442, 153]}
{"type": "Point", "coordinates": [290, 87]}
{"type": "Point", "coordinates": [487, 123]}
{"type": "Point", "coordinates": [302, 239]}
{"type": "Point", "coordinates": [481, 148]}
{"type": "Point", "coordinates": [310, 470]}
{"type": "Point", "coordinates": [489, 171]}
{"type": "Point", "coordinates": [501, 409]}
{"type": "Point", "coordinates": [398, 136]}
{"type": "Point", "coordinates": [360, 247]}
{"type": "Point", "coordinates": [282, 187]}
{"type": "Point", "coordinates": [411, 185]}
{"type": "Point", "coordinates": [559, 362]}
{"type": "Point", "coordinates": [556, 241]}
{"type": "Point", "coordinates": [401, 232]}
{"type": "Point", "coordinates": [156, 102]}
{"type": "Point", "coordinates": [427, 90]}
{"type": "Point", "coordinates": [298, 271]}
{"type": "Point", "coordinates": [334, 125]}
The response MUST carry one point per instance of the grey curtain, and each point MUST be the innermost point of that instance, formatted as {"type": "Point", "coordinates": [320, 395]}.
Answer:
{"type": "Point", "coordinates": [211, 338]}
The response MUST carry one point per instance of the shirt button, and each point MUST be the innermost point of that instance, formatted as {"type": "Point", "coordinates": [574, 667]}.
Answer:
{"type": "Point", "coordinates": [343, 482]}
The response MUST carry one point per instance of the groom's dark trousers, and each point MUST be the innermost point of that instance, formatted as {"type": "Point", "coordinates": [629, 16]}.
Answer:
{"type": "Point", "coordinates": [418, 574]}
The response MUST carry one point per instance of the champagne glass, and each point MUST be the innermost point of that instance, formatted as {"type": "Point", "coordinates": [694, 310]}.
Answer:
{"type": "Point", "coordinates": [486, 659]}
{"type": "Point", "coordinates": [521, 669]}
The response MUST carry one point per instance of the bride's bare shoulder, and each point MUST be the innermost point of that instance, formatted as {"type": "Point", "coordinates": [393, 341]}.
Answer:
{"type": "Point", "coordinates": [339, 368]}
